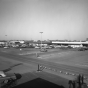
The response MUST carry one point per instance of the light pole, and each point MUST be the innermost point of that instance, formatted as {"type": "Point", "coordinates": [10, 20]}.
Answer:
{"type": "Point", "coordinates": [41, 39]}
{"type": "Point", "coordinates": [6, 42]}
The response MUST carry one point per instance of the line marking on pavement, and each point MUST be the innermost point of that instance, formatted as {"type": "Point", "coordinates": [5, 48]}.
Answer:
{"type": "Point", "coordinates": [82, 65]}
{"type": "Point", "coordinates": [26, 53]}
{"type": "Point", "coordinates": [60, 54]}
{"type": "Point", "coordinates": [4, 51]}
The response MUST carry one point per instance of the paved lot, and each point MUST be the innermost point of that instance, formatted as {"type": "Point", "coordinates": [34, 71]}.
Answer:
{"type": "Point", "coordinates": [75, 58]}
{"type": "Point", "coordinates": [69, 57]}
{"type": "Point", "coordinates": [30, 77]}
{"type": "Point", "coordinates": [58, 56]}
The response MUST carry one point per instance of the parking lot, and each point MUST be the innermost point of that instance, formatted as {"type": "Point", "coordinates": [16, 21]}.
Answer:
{"type": "Point", "coordinates": [69, 57]}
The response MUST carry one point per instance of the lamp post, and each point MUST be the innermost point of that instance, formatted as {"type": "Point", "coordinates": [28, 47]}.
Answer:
{"type": "Point", "coordinates": [41, 39]}
{"type": "Point", "coordinates": [6, 42]}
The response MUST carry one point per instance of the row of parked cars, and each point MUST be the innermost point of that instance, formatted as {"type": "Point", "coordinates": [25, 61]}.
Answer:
{"type": "Point", "coordinates": [83, 48]}
{"type": "Point", "coordinates": [46, 47]}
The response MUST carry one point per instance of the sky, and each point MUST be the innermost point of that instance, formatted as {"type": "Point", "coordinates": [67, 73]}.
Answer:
{"type": "Point", "coordinates": [57, 19]}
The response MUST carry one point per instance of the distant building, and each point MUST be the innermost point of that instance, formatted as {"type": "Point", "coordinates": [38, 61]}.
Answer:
{"type": "Point", "coordinates": [14, 41]}
{"type": "Point", "coordinates": [73, 44]}
{"type": "Point", "coordinates": [3, 42]}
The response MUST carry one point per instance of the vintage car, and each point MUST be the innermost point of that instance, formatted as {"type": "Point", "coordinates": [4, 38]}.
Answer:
{"type": "Point", "coordinates": [2, 74]}
{"type": "Point", "coordinates": [43, 50]}
{"type": "Point", "coordinates": [6, 75]}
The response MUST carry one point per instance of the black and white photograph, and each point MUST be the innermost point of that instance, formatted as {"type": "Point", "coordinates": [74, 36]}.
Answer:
{"type": "Point", "coordinates": [43, 43]}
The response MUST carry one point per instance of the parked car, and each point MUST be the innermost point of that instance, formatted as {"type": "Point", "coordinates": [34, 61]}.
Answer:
{"type": "Point", "coordinates": [47, 47]}
{"type": "Point", "coordinates": [43, 50]}
{"type": "Point", "coordinates": [9, 80]}
{"type": "Point", "coordinates": [37, 47]}
{"type": "Point", "coordinates": [81, 49]}
{"type": "Point", "coordinates": [9, 75]}
{"type": "Point", "coordinates": [6, 47]}
{"type": "Point", "coordinates": [2, 74]}
{"type": "Point", "coordinates": [86, 48]}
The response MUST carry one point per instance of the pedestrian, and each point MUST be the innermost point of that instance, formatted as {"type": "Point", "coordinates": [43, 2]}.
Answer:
{"type": "Point", "coordinates": [82, 79]}
{"type": "Point", "coordinates": [79, 81]}
{"type": "Point", "coordinates": [18, 76]}
{"type": "Point", "coordinates": [74, 84]}
{"type": "Point", "coordinates": [70, 83]}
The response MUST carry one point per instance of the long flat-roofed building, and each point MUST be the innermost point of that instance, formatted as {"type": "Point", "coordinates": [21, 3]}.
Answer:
{"type": "Point", "coordinates": [73, 44]}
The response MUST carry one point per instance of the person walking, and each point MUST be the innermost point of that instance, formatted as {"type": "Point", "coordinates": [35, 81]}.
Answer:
{"type": "Point", "coordinates": [70, 83]}
{"type": "Point", "coordinates": [74, 84]}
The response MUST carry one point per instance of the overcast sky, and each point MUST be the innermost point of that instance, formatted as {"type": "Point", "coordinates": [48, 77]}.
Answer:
{"type": "Point", "coordinates": [57, 19]}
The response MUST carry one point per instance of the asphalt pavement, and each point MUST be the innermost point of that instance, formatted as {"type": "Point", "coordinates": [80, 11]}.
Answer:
{"type": "Point", "coordinates": [47, 64]}
{"type": "Point", "coordinates": [65, 68]}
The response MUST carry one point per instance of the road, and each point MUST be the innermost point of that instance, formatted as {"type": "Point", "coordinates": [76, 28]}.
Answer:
{"type": "Point", "coordinates": [62, 67]}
